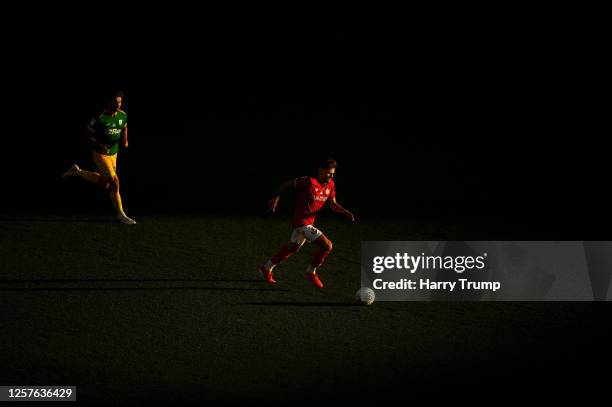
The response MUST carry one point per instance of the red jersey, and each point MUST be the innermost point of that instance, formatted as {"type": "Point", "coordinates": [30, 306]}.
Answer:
{"type": "Point", "coordinates": [311, 198]}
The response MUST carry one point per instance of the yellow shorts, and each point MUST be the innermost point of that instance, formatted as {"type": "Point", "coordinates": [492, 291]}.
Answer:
{"type": "Point", "coordinates": [107, 164]}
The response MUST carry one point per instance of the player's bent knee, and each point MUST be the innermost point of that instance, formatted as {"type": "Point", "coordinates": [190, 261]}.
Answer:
{"type": "Point", "coordinates": [325, 244]}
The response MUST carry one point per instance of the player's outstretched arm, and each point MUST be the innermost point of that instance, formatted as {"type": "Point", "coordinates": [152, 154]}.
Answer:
{"type": "Point", "coordinates": [125, 137]}
{"type": "Point", "coordinates": [273, 202]}
{"type": "Point", "coordinates": [336, 207]}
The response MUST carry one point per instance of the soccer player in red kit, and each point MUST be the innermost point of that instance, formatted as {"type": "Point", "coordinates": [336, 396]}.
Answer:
{"type": "Point", "coordinates": [313, 193]}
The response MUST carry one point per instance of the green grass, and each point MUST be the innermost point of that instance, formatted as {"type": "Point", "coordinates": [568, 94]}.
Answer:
{"type": "Point", "coordinates": [173, 309]}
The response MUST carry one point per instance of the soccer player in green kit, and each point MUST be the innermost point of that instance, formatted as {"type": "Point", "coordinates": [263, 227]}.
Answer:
{"type": "Point", "coordinates": [105, 131]}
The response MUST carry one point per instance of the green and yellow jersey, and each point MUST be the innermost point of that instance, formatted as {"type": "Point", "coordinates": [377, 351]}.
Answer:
{"type": "Point", "coordinates": [107, 130]}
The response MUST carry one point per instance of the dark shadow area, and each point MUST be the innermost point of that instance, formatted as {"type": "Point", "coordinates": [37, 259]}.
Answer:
{"type": "Point", "coordinates": [128, 280]}
{"type": "Point", "coordinates": [305, 304]}
{"type": "Point", "coordinates": [62, 220]}
{"type": "Point", "coordinates": [137, 289]}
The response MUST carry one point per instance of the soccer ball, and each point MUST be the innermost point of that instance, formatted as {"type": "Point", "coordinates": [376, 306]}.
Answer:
{"type": "Point", "coordinates": [365, 296]}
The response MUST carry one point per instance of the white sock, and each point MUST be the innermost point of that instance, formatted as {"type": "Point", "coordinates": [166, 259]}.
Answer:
{"type": "Point", "coordinates": [311, 269]}
{"type": "Point", "coordinates": [269, 265]}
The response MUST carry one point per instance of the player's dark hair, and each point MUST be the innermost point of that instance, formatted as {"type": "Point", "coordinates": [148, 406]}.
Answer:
{"type": "Point", "coordinates": [110, 96]}
{"type": "Point", "coordinates": [115, 94]}
{"type": "Point", "coordinates": [328, 163]}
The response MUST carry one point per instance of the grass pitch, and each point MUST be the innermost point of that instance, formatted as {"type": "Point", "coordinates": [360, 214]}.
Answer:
{"type": "Point", "coordinates": [173, 310]}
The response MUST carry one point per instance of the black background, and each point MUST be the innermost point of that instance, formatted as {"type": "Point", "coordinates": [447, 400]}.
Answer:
{"type": "Point", "coordinates": [459, 127]}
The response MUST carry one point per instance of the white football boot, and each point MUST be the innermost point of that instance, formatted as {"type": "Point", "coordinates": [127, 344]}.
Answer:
{"type": "Point", "coordinates": [123, 218]}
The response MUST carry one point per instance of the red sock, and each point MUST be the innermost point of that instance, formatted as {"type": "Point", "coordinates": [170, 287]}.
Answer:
{"type": "Point", "coordinates": [283, 254]}
{"type": "Point", "coordinates": [319, 258]}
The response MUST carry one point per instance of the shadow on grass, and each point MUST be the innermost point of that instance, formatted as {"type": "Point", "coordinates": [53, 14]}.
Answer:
{"type": "Point", "coordinates": [62, 220]}
{"type": "Point", "coordinates": [305, 304]}
{"type": "Point", "coordinates": [136, 288]}
{"type": "Point", "coordinates": [129, 280]}
{"type": "Point", "coordinates": [127, 287]}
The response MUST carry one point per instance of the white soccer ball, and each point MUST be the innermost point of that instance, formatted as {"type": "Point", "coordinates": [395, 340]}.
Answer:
{"type": "Point", "coordinates": [365, 296]}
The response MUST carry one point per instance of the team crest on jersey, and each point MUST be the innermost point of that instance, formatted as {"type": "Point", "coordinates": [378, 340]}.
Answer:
{"type": "Point", "coordinates": [120, 121]}
{"type": "Point", "coordinates": [327, 192]}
